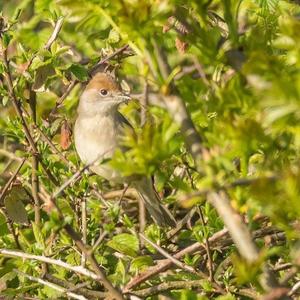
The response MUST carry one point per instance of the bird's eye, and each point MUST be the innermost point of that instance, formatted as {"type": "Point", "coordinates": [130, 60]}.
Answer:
{"type": "Point", "coordinates": [103, 92]}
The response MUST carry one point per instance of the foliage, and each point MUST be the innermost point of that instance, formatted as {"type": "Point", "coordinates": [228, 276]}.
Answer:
{"type": "Point", "coordinates": [236, 66]}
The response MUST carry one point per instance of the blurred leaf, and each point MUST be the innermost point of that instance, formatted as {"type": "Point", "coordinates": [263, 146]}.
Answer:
{"type": "Point", "coordinates": [15, 207]}
{"type": "Point", "coordinates": [125, 243]}
{"type": "Point", "coordinates": [141, 263]}
{"type": "Point", "coordinates": [79, 72]}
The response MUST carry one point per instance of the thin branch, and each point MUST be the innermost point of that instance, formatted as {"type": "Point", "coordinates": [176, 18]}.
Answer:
{"type": "Point", "coordinates": [166, 286]}
{"type": "Point", "coordinates": [240, 234]}
{"type": "Point", "coordinates": [238, 230]}
{"type": "Point", "coordinates": [282, 267]}
{"type": "Point", "coordinates": [54, 35]}
{"type": "Point", "coordinates": [175, 261]}
{"type": "Point", "coordinates": [60, 101]}
{"type": "Point", "coordinates": [114, 293]}
{"type": "Point", "coordinates": [71, 287]}
{"type": "Point", "coordinates": [181, 223]}
{"type": "Point", "coordinates": [165, 264]}
{"type": "Point", "coordinates": [77, 238]}
{"type": "Point", "coordinates": [51, 261]}
{"type": "Point", "coordinates": [77, 175]}
{"type": "Point", "coordinates": [34, 162]}
{"type": "Point", "coordinates": [16, 102]}
{"type": "Point", "coordinates": [51, 285]}
{"type": "Point", "coordinates": [12, 178]}
{"type": "Point", "coordinates": [207, 246]}
{"type": "Point", "coordinates": [294, 289]}
{"type": "Point", "coordinates": [83, 228]}
{"type": "Point", "coordinates": [105, 59]}
{"type": "Point", "coordinates": [144, 103]}
{"type": "Point", "coordinates": [219, 239]}
{"type": "Point", "coordinates": [180, 264]}
{"type": "Point", "coordinates": [99, 240]}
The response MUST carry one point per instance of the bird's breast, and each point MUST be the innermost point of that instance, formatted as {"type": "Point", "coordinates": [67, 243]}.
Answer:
{"type": "Point", "coordinates": [95, 138]}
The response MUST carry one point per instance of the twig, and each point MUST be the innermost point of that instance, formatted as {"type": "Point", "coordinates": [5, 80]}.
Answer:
{"type": "Point", "coordinates": [54, 35]}
{"type": "Point", "coordinates": [174, 260]}
{"type": "Point", "coordinates": [142, 218]}
{"type": "Point", "coordinates": [282, 267]}
{"type": "Point", "coordinates": [220, 239]}
{"type": "Point", "coordinates": [180, 264]}
{"type": "Point", "coordinates": [240, 234]}
{"type": "Point", "coordinates": [76, 176]}
{"type": "Point", "coordinates": [166, 286]}
{"type": "Point", "coordinates": [77, 238]}
{"type": "Point", "coordinates": [105, 59]}
{"type": "Point", "coordinates": [165, 264]}
{"type": "Point", "coordinates": [83, 228]}
{"type": "Point", "coordinates": [60, 101]}
{"type": "Point", "coordinates": [11, 228]}
{"type": "Point", "coordinates": [99, 240]}
{"type": "Point", "coordinates": [71, 287]}
{"type": "Point", "coordinates": [181, 223]}
{"type": "Point", "coordinates": [51, 285]}
{"type": "Point", "coordinates": [10, 155]}
{"type": "Point", "coordinates": [16, 102]}
{"type": "Point", "coordinates": [207, 246]}
{"type": "Point", "coordinates": [52, 146]}
{"type": "Point", "coordinates": [35, 162]}
{"type": "Point", "coordinates": [144, 103]}
{"type": "Point", "coordinates": [12, 178]}
{"type": "Point", "coordinates": [238, 230]}
{"type": "Point", "coordinates": [130, 192]}
{"type": "Point", "coordinates": [51, 261]}
{"type": "Point", "coordinates": [90, 257]}
{"type": "Point", "coordinates": [294, 289]}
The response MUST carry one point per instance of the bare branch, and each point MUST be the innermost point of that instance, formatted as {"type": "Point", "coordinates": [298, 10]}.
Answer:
{"type": "Point", "coordinates": [51, 285]}
{"type": "Point", "coordinates": [77, 269]}
{"type": "Point", "coordinates": [175, 261]}
{"type": "Point", "coordinates": [166, 286]}
{"type": "Point", "coordinates": [165, 264]}
{"type": "Point", "coordinates": [54, 35]}
{"type": "Point", "coordinates": [105, 59]}
{"type": "Point", "coordinates": [238, 230]}
{"type": "Point", "coordinates": [219, 239]}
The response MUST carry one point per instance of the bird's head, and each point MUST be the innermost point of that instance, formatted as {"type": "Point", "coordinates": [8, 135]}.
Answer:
{"type": "Point", "coordinates": [101, 95]}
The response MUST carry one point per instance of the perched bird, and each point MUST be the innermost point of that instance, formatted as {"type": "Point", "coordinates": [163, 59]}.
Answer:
{"type": "Point", "coordinates": [98, 131]}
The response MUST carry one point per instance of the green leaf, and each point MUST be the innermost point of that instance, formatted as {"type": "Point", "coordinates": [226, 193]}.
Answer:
{"type": "Point", "coordinates": [6, 37]}
{"type": "Point", "coordinates": [79, 72]}
{"type": "Point", "coordinates": [140, 263]}
{"type": "Point", "coordinates": [3, 225]}
{"type": "Point", "coordinates": [38, 236]}
{"type": "Point", "coordinates": [113, 37]}
{"type": "Point", "coordinates": [5, 100]}
{"type": "Point", "coordinates": [41, 76]}
{"type": "Point", "coordinates": [15, 207]}
{"type": "Point", "coordinates": [125, 243]}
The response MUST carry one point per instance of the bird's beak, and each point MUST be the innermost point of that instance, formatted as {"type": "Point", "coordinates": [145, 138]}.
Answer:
{"type": "Point", "coordinates": [122, 97]}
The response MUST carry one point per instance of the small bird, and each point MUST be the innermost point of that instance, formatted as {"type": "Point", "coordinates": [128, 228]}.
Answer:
{"type": "Point", "coordinates": [98, 132]}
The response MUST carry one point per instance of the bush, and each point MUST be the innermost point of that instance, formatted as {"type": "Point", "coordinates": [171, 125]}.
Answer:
{"type": "Point", "coordinates": [216, 89]}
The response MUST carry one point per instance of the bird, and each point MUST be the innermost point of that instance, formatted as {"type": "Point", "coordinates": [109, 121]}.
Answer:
{"type": "Point", "coordinates": [98, 131]}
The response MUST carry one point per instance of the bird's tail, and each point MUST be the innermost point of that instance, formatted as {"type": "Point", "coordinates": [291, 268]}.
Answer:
{"type": "Point", "coordinates": [160, 214]}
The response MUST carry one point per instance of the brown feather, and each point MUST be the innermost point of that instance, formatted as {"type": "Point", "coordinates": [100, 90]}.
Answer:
{"type": "Point", "coordinates": [103, 81]}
